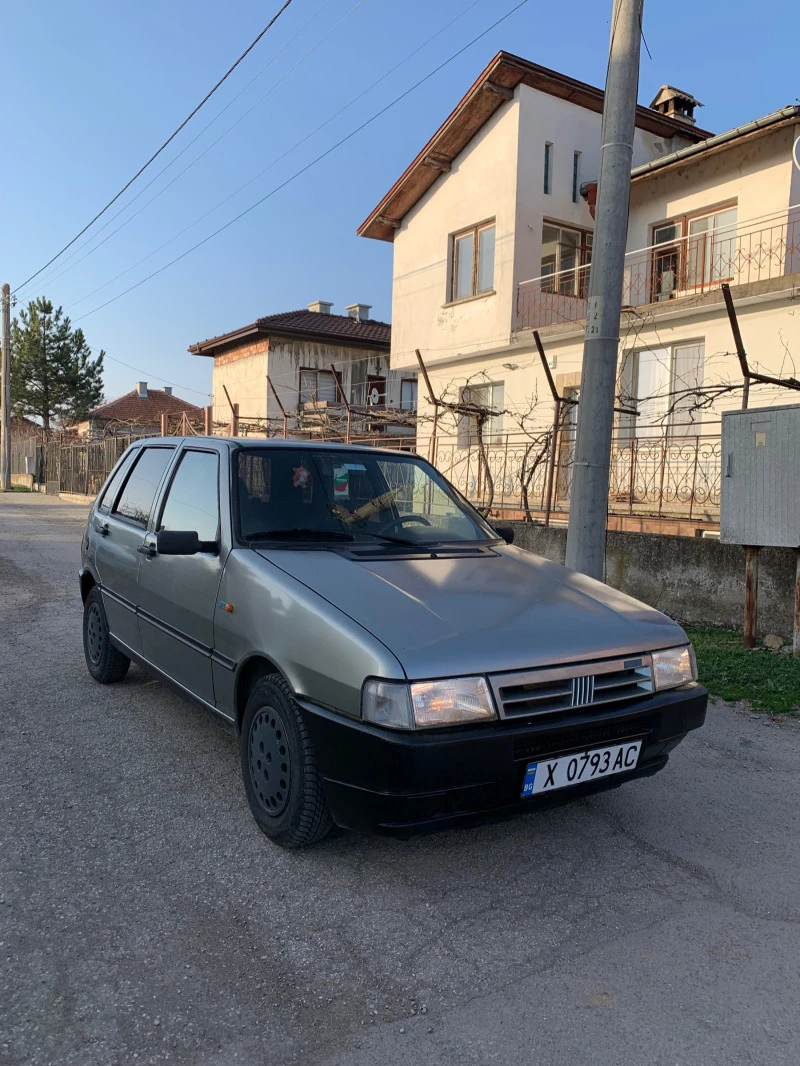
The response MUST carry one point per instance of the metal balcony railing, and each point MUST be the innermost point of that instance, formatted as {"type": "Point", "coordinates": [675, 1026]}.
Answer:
{"type": "Point", "coordinates": [759, 250]}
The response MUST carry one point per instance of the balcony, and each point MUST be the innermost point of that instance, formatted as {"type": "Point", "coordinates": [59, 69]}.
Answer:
{"type": "Point", "coordinates": [759, 250]}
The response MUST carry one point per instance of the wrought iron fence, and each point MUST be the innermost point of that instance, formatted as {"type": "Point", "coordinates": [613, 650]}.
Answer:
{"type": "Point", "coordinates": [758, 250]}
{"type": "Point", "coordinates": [655, 476]}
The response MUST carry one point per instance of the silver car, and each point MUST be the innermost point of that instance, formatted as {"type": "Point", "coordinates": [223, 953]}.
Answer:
{"type": "Point", "coordinates": [387, 659]}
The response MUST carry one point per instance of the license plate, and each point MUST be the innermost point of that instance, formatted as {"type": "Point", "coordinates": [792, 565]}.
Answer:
{"type": "Point", "coordinates": [582, 766]}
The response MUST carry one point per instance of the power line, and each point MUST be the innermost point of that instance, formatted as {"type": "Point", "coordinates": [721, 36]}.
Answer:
{"type": "Point", "coordinates": [169, 139]}
{"type": "Point", "coordinates": [151, 377]}
{"type": "Point", "coordinates": [70, 260]}
{"type": "Point", "coordinates": [275, 160]}
{"type": "Point", "coordinates": [308, 166]}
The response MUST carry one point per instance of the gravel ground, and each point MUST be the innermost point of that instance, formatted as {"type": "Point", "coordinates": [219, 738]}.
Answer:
{"type": "Point", "coordinates": [144, 918]}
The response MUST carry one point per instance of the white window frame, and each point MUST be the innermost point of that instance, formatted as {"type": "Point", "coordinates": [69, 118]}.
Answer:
{"type": "Point", "coordinates": [674, 424]}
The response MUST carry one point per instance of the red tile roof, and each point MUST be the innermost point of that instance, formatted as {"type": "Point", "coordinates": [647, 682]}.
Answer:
{"type": "Point", "coordinates": [335, 329]}
{"type": "Point", "coordinates": [135, 408]}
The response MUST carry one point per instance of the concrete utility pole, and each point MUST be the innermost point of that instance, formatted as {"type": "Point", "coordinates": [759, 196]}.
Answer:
{"type": "Point", "coordinates": [586, 536]}
{"type": "Point", "coordinates": [5, 398]}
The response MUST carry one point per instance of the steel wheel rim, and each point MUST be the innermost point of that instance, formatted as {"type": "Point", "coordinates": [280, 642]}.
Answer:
{"type": "Point", "coordinates": [268, 757]}
{"type": "Point", "coordinates": [95, 635]}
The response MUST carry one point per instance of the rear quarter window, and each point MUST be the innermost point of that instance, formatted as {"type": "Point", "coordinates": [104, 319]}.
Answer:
{"type": "Point", "coordinates": [136, 501]}
{"type": "Point", "coordinates": [109, 494]}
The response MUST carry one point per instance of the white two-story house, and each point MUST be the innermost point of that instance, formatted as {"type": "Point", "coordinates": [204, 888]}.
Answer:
{"type": "Point", "coordinates": [492, 227]}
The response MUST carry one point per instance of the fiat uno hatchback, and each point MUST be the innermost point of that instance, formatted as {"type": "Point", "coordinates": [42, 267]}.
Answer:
{"type": "Point", "coordinates": [385, 657]}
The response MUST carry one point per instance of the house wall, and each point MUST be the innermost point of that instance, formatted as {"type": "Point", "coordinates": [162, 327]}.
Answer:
{"type": "Point", "coordinates": [569, 128]}
{"type": "Point", "coordinates": [481, 185]}
{"type": "Point", "coordinates": [244, 372]}
{"type": "Point", "coordinates": [287, 357]}
{"type": "Point", "coordinates": [758, 175]}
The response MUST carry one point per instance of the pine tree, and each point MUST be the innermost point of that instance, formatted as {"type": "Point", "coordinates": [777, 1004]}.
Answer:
{"type": "Point", "coordinates": [53, 373]}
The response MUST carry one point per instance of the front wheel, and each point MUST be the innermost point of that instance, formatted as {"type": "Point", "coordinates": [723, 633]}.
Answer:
{"type": "Point", "coordinates": [281, 779]}
{"type": "Point", "coordinates": [104, 662]}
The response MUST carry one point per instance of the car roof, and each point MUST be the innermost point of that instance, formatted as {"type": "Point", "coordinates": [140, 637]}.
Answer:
{"type": "Point", "coordinates": [243, 443]}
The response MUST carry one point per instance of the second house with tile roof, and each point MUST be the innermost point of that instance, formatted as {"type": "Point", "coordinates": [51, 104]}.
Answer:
{"type": "Point", "coordinates": [311, 373]}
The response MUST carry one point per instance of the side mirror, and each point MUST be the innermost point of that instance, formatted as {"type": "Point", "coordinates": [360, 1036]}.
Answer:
{"type": "Point", "coordinates": [506, 532]}
{"type": "Point", "coordinates": [177, 542]}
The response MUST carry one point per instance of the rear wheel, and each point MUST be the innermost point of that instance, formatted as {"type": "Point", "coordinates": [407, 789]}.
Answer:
{"type": "Point", "coordinates": [281, 779]}
{"type": "Point", "coordinates": [104, 662]}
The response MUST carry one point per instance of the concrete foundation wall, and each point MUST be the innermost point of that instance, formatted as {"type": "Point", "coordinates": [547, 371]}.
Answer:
{"type": "Point", "coordinates": [698, 581]}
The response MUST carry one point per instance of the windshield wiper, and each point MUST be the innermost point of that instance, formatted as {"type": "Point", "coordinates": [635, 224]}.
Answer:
{"type": "Point", "coordinates": [393, 540]}
{"type": "Point", "coordinates": [299, 533]}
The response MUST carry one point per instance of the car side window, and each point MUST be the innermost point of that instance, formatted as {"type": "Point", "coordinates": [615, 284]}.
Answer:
{"type": "Point", "coordinates": [192, 501]}
{"type": "Point", "coordinates": [136, 501]}
{"type": "Point", "coordinates": [111, 490]}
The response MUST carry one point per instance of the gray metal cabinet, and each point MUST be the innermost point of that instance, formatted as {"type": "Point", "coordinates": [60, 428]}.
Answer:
{"type": "Point", "coordinates": [760, 495]}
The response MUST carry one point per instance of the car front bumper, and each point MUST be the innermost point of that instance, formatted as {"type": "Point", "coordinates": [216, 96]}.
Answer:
{"type": "Point", "coordinates": [401, 783]}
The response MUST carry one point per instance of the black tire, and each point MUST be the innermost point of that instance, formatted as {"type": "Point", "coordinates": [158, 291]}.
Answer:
{"type": "Point", "coordinates": [104, 662]}
{"type": "Point", "coordinates": [281, 779]}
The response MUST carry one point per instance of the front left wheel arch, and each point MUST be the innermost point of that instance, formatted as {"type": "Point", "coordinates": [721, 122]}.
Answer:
{"type": "Point", "coordinates": [251, 671]}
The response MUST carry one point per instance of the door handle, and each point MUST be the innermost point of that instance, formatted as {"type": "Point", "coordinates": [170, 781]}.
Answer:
{"type": "Point", "coordinates": [101, 528]}
{"type": "Point", "coordinates": [147, 549]}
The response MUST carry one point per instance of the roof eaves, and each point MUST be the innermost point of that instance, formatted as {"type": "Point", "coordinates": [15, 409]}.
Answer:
{"type": "Point", "coordinates": [342, 340]}
{"type": "Point", "coordinates": [486, 95]}
{"type": "Point", "coordinates": [783, 117]}
{"type": "Point", "coordinates": [205, 347]}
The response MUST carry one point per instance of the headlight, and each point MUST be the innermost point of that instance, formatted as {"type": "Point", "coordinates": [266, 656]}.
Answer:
{"type": "Point", "coordinates": [674, 666]}
{"type": "Point", "coordinates": [425, 704]}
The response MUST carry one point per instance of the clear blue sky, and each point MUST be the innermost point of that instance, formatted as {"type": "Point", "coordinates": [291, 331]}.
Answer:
{"type": "Point", "coordinates": [91, 88]}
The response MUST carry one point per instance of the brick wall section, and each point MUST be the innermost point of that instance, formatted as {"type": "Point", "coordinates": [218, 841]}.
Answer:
{"type": "Point", "coordinates": [260, 345]}
{"type": "Point", "coordinates": [696, 580]}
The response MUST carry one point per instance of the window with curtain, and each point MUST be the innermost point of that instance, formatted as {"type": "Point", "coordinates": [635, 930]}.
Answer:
{"type": "Point", "coordinates": [654, 382]}
{"type": "Point", "coordinates": [485, 394]}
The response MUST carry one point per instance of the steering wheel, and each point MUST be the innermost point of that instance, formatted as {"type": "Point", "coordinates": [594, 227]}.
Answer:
{"type": "Point", "coordinates": [401, 519]}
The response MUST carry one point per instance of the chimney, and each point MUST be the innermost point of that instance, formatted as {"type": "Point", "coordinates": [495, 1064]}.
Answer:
{"type": "Point", "coordinates": [141, 389]}
{"type": "Point", "coordinates": [360, 312]}
{"type": "Point", "coordinates": [674, 103]}
{"type": "Point", "coordinates": [320, 307]}
{"type": "Point", "coordinates": [168, 390]}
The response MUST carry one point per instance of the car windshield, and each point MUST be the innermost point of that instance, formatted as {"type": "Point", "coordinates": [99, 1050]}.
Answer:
{"type": "Point", "coordinates": [310, 495]}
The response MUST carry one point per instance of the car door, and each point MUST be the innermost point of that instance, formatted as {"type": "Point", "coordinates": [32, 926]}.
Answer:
{"type": "Point", "coordinates": [120, 524]}
{"type": "Point", "coordinates": [177, 594]}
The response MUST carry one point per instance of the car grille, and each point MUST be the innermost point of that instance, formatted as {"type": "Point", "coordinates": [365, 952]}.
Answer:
{"type": "Point", "coordinates": [555, 690]}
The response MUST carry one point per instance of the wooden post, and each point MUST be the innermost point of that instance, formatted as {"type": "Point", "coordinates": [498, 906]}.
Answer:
{"type": "Point", "coordinates": [551, 464]}
{"type": "Point", "coordinates": [283, 410]}
{"type": "Point", "coordinates": [434, 403]}
{"type": "Point", "coordinates": [737, 340]}
{"type": "Point", "coordinates": [235, 420]}
{"type": "Point", "coordinates": [340, 390]}
{"type": "Point", "coordinates": [750, 595]}
{"type": "Point", "coordinates": [164, 432]}
{"type": "Point", "coordinates": [208, 420]}
{"type": "Point", "coordinates": [796, 631]}
{"type": "Point", "coordinates": [433, 441]}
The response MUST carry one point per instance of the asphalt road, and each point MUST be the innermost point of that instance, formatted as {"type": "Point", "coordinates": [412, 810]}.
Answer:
{"type": "Point", "coordinates": [144, 918]}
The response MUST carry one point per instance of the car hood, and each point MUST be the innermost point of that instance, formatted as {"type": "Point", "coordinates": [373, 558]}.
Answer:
{"type": "Point", "coordinates": [506, 609]}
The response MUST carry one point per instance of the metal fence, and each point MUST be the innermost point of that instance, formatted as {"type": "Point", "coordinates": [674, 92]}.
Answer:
{"type": "Point", "coordinates": [695, 263]}
{"type": "Point", "coordinates": [74, 467]}
{"type": "Point", "coordinates": [656, 476]}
